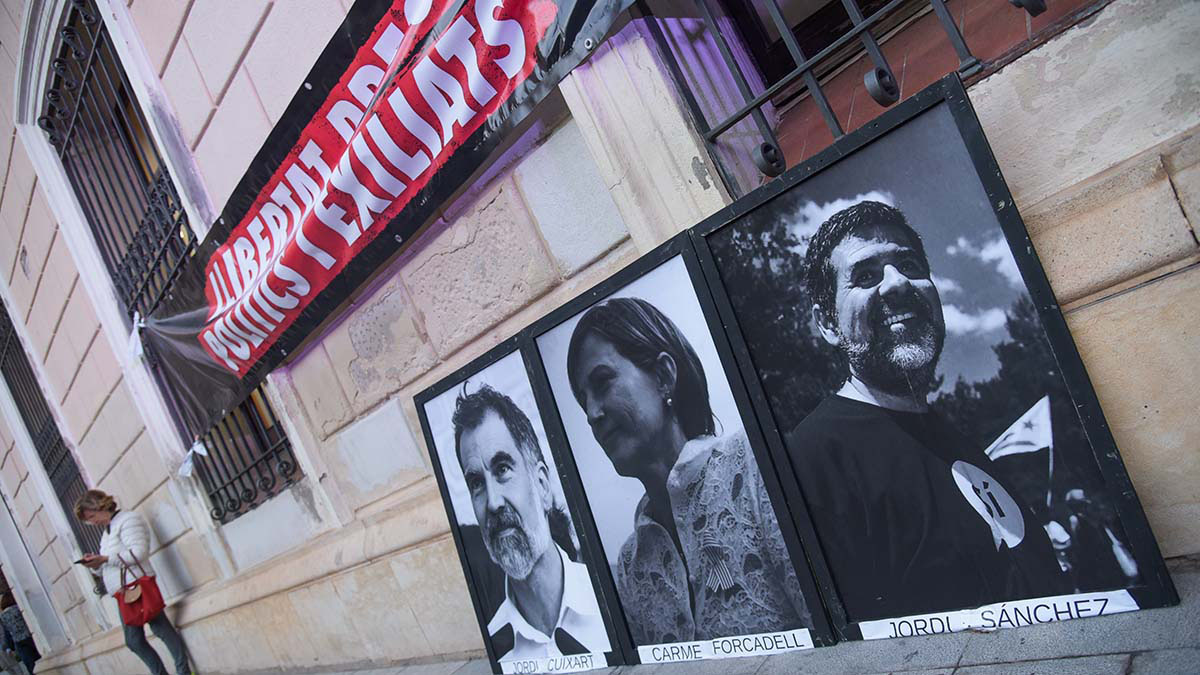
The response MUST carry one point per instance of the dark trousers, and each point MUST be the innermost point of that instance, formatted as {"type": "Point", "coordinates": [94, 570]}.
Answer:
{"type": "Point", "coordinates": [135, 639]}
{"type": "Point", "coordinates": [27, 652]}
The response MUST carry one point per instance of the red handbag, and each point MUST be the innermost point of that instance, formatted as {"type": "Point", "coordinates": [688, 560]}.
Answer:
{"type": "Point", "coordinates": [139, 600]}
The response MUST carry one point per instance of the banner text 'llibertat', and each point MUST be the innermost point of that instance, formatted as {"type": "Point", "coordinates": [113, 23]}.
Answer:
{"type": "Point", "coordinates": [393, 119]}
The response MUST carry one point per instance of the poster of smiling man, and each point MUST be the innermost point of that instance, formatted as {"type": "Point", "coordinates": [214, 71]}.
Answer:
{"type": "Point", "coordinates": [684, 516]}
{"type": "Point", "coordinates": [926, 394]}
{"type": "Point", "coordinates": [530, 579]}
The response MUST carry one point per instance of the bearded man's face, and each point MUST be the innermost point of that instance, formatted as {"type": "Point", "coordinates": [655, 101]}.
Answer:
{"type": "Point", "coordinates": [509, 494]}
{"type": "Point", "coordinates": [888, 318]}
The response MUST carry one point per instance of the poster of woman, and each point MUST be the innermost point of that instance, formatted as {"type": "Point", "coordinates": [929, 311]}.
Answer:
{"type": "Point", "coordinates": [670, 476]}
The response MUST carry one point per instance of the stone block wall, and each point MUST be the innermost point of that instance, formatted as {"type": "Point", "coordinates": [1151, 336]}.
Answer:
{"type": "Point", "coordinates": [229, 69]}
{"type": "Point", "coordinates": [509, 247]}
{"type": "Point", "coordinates": [540, 230]}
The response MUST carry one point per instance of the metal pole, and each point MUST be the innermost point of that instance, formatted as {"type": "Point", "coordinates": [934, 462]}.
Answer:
{"type": "Point", "coordinates": [810, 80]}
{"type": "Point", "coordinates": [967, 63]}
{"type": "Point", "coordinates": [768, 157]}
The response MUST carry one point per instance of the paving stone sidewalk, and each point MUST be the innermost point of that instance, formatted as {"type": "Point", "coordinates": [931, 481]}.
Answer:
{"type": "Point", "coordinates": [1149, 642]}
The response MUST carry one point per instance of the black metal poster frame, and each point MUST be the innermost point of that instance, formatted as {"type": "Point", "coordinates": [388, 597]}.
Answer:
{"type": "Point", "coordinates": [1157, 589]}
{"type": "Point", "coordinates": [682, 246]}
{"type": "Point", "coordinates": [589, 547]}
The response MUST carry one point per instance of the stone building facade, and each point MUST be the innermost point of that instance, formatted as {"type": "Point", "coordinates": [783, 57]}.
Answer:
{"type": "Point", "coordinates": [1091, 110]}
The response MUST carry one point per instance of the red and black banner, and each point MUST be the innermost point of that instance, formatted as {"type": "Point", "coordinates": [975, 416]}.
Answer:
{"type": "Point", "coordinates": [406, 102]}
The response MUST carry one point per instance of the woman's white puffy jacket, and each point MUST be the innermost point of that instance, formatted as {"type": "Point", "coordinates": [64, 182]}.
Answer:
{"type": "Point", "coordinates": [126, 539]}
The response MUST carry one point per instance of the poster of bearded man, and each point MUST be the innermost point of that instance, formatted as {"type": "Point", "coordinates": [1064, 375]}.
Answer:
{"type": "Point", "coordinates": [921, 386]}
{"type": "Point", "coordinates": [527, 570]}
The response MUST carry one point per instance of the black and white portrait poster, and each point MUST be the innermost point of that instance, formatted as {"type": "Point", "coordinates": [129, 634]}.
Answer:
{"type": "Point", "coordinates": [922, 406]}
{"type": "Point", "coordinates": [700, 565]}
{"type": "Point", "coordinates": [532, 584]}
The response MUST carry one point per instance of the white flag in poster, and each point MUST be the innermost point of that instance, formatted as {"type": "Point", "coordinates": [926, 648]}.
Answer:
{"type": "Point", "coordinates": [1030, 433]}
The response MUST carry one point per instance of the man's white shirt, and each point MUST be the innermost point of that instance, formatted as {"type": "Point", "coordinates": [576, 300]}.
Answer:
{"type": "Point", "coordinates": [579, 616]}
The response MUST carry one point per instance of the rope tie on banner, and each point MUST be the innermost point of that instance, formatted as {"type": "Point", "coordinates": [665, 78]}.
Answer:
{"type": "Point", "coordinates": [136, 350]}
{"type": "Point", "coordinates": [188, 465]}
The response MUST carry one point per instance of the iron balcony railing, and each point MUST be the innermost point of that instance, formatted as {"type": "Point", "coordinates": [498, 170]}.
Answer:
{"type": "Point", "coordinates": [879, 81]}
{"type": "Point", "coordinates": [249, 460]}
{"type": "Point", "coordinates": [105, 146]}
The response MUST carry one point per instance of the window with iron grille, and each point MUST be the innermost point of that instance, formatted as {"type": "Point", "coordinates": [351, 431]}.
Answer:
{"type": "Point", "coordinates": [56, 457]}
{"type": "Point", "coordinates": [797, 27]}
{"type": "Point", "coordinates": [141, 229]}
{"type": "Point", "coordinates": [815, 24]}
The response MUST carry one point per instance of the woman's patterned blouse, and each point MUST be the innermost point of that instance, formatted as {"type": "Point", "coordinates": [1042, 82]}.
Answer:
{"type": "Point", "coordinates": [735, 578]}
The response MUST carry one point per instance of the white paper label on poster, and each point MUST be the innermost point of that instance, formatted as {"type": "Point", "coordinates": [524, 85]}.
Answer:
{"type": "Point", "coordinates": [726, 647]}
{"type": "Point", "coordinates": [554, 664]}
{"type": "Point", "coordinates": [1013, 614]}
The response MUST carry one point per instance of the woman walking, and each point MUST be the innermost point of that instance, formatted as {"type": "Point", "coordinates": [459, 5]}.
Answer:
{"type": "Point", "coordinates": [126, 544]}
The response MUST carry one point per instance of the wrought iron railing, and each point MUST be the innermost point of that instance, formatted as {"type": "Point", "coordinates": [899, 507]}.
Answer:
{"type": "Point", "coordinates": [879, 80]}
{"type": "Point", "coordinates": [237, 479]}
{"type": "Point", "coordinates": [141, 228]}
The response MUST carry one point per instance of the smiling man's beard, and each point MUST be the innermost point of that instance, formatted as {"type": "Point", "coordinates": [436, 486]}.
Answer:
{"type": "Point", "coordinates": [516, 550]}
{"type": "Point", "coordinates": [903, 364]}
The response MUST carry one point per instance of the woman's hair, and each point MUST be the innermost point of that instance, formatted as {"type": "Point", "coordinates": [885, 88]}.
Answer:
{"type": "Point", "coordinates": [95, 500]}
{"type": "Point", "coordinates": [7, 600]}
{"type": "Point", "coordinates": [640, 332]}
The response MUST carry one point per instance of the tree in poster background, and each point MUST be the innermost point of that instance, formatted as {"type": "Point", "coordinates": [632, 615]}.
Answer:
{"type": "Point", "coordinates": [772, 311]}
